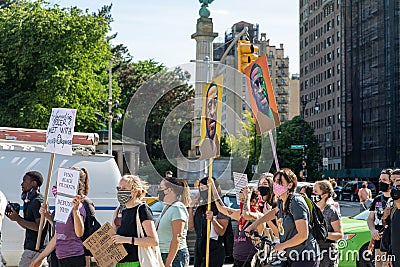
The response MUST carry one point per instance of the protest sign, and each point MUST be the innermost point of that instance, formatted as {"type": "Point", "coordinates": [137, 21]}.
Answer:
{"type": "Point", "coordinates": [240, 181]}
{"type": "Point", "coordinates": [105, 252]}
{"type": "Point", "coordinates": [60, 131]}
{"type": "Point", "coordinates": [67, 188]}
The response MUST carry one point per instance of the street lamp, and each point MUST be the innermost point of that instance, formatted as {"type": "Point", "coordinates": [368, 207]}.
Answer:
{"type": "Point", "coordinates": [304, 101]}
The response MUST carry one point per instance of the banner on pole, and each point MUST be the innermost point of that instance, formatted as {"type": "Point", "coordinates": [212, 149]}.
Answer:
{"type": "Point", "coordinates": [60, 131]}
{"type": "Point", "coordinates": [67, 188]}
{"type": "Point", "coordinates": [211, 119]}
{"type": "Point", "coordinates": [262, 98]}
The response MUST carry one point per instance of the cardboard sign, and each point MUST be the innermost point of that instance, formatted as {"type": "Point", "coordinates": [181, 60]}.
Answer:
{"type": "Point", "coordinates": [67, 188]}
{"type": "Point", "coordinates": [60, 131]}
{"type": "Point", "coordinates": [105, 252]}
{"type": "Point", "coordinates": [240, 181]}
{"type": "Point", "coordinates": [63, 208]}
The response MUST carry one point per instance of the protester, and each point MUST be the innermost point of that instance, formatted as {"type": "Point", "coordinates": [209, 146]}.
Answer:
{"type": "Point", "coordinates": [293, 217]}
{"type": "Point", "coordinates": [377, 208]}
{"type": "Point", "coordinates": [394, 249]}
{"type": "Point", "coordinates": [67, 240]}
{"type": "Point", "coordinates": [131, 191]}
{"type": "Point", "coordinates": [323, 194]}
{"type": "Point", "coordinates": [32, 198]}
{"type": "Point", "coordinates": [86, 202]}
{"type": "Point", "coordinates": [3, 204]}
{"type": "Point", "coordinates": [172, 224]}
{"type": "Point", "coordinates": [365, 196]}
{"type": "Point", "coordinates": [268, 199]}
{"type": "Point", "coordinates": [198, 221]}
{"type": "Point", "coordinates": [243, 248]}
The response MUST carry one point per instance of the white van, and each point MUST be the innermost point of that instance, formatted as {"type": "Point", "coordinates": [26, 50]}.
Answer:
{"type": "Point", "coordinates": [17, 158]}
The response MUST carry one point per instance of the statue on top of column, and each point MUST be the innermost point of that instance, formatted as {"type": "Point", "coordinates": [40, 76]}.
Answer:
{"type": "Point", "coordinates": [204, 12]}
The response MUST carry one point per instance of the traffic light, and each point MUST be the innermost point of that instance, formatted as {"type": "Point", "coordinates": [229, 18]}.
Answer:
{"type": "Point", "coordinates": [246, 54]}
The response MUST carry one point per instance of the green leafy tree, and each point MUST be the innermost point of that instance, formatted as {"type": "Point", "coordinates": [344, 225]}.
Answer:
{"type": "Point", "coordinates": [51, 57]}
{"type": "Point", "coordinates": [291, 133]}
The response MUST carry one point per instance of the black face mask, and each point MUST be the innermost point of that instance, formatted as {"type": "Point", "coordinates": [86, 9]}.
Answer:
{"type": "Point", "coordinates": [264, 190]}
{"type": "Point", "coordinates": [161, 195]}
{"type": "Point", "coordinates": [384, 187]}
{"type": "Point", "coordinates": [316, 198]}
{"type": "Point", "coordinates": [204, 195]}
{"type": "Point", "coordinates": [395, 193]}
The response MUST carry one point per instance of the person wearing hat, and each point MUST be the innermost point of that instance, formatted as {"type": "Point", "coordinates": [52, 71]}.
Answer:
{"type": "Point", "coordinates": [168, 174]}
{"type": "Point", "coordinates": [32, 198]}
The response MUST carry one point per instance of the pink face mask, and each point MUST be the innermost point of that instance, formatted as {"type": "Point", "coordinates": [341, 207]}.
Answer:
{"type": "Point", "coordinates": [279, 189]}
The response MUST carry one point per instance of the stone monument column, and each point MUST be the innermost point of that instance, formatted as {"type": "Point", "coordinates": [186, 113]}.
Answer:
{"type": "Point", "coordinates": [204, 37]}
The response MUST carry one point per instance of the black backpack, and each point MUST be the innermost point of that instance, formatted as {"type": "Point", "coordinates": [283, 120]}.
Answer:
{"type": "Point", "coordinates": [318, 224]}
{"type": "Point", "coordinates": [91, 223]}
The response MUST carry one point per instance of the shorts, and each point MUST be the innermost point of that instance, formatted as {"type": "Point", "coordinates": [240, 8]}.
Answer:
{"type": "Point", "coordinates": [76, 261]}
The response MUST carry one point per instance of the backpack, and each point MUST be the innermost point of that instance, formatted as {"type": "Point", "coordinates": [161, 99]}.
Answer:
{"type": "Point", "coordinates": [91, 223]}
{"type": "Point", "coordinates": [318, 224]}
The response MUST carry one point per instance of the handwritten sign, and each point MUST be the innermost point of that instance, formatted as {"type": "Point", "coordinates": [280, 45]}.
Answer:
{"type": "Point", "coordinates": [60, 131]}
{"type": "Point", "coordinates": [67, 188]}
{"type": "Point", "coordinates": [105, 252]}
{"type": "Point", "coordinates": [63, 208]}
{"type": "Point", "coordinates": [240, 181]}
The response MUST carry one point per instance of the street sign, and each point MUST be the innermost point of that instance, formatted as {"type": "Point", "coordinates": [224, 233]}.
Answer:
{"type": "Point", "coordinates": [296, 147]}
{"type": "Point", "coordinates": [324, 161]}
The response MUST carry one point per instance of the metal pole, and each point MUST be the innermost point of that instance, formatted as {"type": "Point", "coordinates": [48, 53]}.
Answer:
{"type": "Point", "coordinates": [110, 117]}
{"type": "Point", "coordinates": [304, 145]}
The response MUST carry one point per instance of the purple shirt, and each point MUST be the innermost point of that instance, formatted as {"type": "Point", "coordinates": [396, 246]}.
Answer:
{"type": "Point", "coordinates": [67, 243]}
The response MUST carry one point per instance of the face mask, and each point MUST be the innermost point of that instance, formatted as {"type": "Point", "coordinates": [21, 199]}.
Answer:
{"type": "Point", "coordinates": [280, 189]}
{"type": "Point", "coordinates": [264, 190]}
{"type": "Point", "coordinates": [316, 198]}
{"type": "Point", "coordinates": [204, 194]}
{"type": "Point", "coordinates": [161, 195]}
{"type": "Point", "coordinates": [395, 193]}
{"type": "Point", "coordinates": [384, 187]}
{"type": "Point", "coordinates": [54, 191]}
{"type": "Point", "coordinates": [124, 196]}
{"type": "Point", "coordinates": [28, 196]}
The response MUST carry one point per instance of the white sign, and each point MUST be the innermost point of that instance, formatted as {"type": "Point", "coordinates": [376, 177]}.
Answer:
{"type": "Point", "coordinates": [324, 161]}
{"type": "Point", "coordinates": [63, 208]}
{"type": "Point", "coordinates": [60, 131]}
{"type": "Point", "coordinates": [240, 181]}
{"type": "Point", "coordinates": [67, 182]}
{"type": "Point", "coordinates": [67, 188]}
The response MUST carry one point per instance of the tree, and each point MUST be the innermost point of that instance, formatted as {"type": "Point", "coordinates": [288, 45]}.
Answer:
{"type": "Point", "coordinates": [51, 57]}
{"type": "Point", "coordinates": [290, 133]}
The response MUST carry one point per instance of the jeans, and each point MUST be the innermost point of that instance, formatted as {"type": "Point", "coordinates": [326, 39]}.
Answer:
{"type": "Point", "coordinates": [181, 258]}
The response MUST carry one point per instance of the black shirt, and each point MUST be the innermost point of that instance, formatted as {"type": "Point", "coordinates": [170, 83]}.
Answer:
{"type": "Point", "coordinates": [378, 206]}
{"type": "Point", "coordinates": [31, 213]}
{"type": "Point", "coordinates": [128, 228]}
{"type": "Point", "coordinates": [395, 238]}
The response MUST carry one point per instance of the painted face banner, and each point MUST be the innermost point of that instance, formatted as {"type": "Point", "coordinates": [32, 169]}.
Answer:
{"type": "Point", "coordinates": [211, 119]}
{"type": "Point", "coordinates": [262, 98]}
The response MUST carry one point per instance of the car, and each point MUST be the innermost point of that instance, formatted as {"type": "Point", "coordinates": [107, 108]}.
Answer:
{"type": "Point", "coordinates": [353, 248]}
{"type": "Point", "coordinates": [338, 191]}
{"type": "Point", "coordinates": [350, 190]}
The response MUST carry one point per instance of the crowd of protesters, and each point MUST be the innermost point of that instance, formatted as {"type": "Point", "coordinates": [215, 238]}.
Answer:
{"type": "Point", "coordinates": [272, 208]}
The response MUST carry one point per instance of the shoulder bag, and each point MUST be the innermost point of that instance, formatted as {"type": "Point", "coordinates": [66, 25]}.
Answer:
{"type": "Point", "coordinates": [148, 256]}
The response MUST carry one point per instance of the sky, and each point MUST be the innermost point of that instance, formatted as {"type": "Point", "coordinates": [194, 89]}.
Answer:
{"type": "Point", "coordinates": [161, 29]}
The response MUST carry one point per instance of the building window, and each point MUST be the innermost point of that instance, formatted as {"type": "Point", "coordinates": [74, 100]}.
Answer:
{"type": "Point", "coordinates": [269, 63]}
{"type": "Point", "coordinates": [338, 52]}
{"type": "Point", "coordinates": [338, 68]}
{"type": "Point", "coordinates": [271, 54]}
{"type": "Point", "coordinates": [338, 36]}
{"type": "Point", "coordinates": [270, 73]}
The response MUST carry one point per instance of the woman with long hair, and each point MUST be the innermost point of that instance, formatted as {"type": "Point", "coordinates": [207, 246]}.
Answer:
{"type": "Point", "coordinates": [243, 248]}
{"type": "Point", "coordinates": [322, 195]}
{"type": "Point", "coordinates": [172, 225]}
{"type": "Point", "coordinates": [67, 239]}
{"type": "Point", "coordinates": [293, 219]}
{"type": "Point", "coordinates": [198, 221]}
{"type": "Point", "coordinates": [131, 191]}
